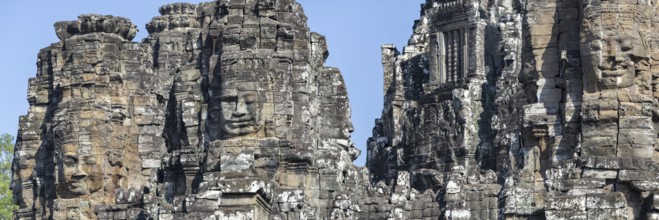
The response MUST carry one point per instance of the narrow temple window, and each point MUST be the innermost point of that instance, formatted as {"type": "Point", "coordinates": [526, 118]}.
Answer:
{"type": "Point", "coordinates": [450, 56]}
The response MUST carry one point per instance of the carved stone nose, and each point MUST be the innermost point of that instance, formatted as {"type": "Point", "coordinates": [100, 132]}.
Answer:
{"type": "Point", "coordinates": [618, 56]}
{"type": "Point", "coordinates": [241, 109]}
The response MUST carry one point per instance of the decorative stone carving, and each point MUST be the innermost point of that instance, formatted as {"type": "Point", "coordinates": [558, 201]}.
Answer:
{"type": "Point", "coordinates": [174, 16]}
{"type": "Point", "coordinates": [97, 24]}
{"type": "Point", "coordinates": [613, 50]}
{"type": "Point", "coordinates": [617, 80]}
{"type": "Point", "coordinates": [79, 168]}
{"type": "Point", "coordinates": [244, 102]}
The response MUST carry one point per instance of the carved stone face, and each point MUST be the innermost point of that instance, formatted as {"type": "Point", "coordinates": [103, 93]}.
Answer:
{"type": "Point", "coordinates": [241, 109]}
{"type": "Point", "coordinates": [82, 174]}
{"type": "Point", "coordinates": [609, 58]}
{"type": "Point", "coordinates": [653, 47]}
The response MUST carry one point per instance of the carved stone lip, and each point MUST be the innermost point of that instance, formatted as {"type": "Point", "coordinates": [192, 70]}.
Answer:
{"type": "Point", "coordinates": [75, 182]}
{"type": "Point", "coordinates": [241, 122]}
{"type": "Point", "coordinates": [76, 185]}
{"type": "Point", "coordinates": [614, 73]}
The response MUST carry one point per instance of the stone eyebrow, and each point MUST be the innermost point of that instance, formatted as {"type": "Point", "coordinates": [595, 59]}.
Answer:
{"type": "Point", "coordinates": [229, 98]}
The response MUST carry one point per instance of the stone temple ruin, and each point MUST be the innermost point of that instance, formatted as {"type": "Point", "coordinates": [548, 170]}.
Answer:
{"type": "Point", "coordinates": [498, 109]}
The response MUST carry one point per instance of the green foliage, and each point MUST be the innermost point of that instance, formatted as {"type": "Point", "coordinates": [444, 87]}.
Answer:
{"type": "Point", "coordinates": [6, 197]}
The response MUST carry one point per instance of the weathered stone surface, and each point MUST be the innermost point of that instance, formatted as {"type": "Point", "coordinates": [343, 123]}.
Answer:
{"type": "Point", "coordinates": [538, 109]}
{"type": "Point", "coordinates": [556, 98]}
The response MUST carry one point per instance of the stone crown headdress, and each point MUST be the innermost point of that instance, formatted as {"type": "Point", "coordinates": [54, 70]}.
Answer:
{"type": "Point", "coordinates": [615, 11]}
{"type": "Point", "coordinates": [64, 133]}
{"type": "Point", "coordinates": [247, 67]}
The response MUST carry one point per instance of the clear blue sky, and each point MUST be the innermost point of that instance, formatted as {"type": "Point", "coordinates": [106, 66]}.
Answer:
{"type": "Point", "coordinates": [355, 30]}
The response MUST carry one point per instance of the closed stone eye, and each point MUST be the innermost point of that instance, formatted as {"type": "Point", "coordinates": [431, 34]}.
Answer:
{"type": "Point", "coordinates": [626, 45]}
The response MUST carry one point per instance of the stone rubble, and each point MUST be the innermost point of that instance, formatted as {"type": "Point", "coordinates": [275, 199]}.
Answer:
{"type": "Point", "coordinates": [538, 109]}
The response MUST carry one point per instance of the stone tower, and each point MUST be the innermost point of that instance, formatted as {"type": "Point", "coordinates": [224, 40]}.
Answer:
{"type": "Point", "coordinates": [224, 111]}
{"type": "Point", "coordinates": [541, 109]}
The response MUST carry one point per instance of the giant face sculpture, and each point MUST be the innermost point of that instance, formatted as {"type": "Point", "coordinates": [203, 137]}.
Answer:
{"type": "Point", "coordinates": [610, 57]}
{"type": "Point", "coordinates": [652, 43]}
{"type": "Point", "coordinates": [611, 48]}
{"type": "Point", "coordinates": [243, 91]}
{"type": "Point", "coordinates": [241, 105]}
{"type": "Point", "coordinates": [80, 172]}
